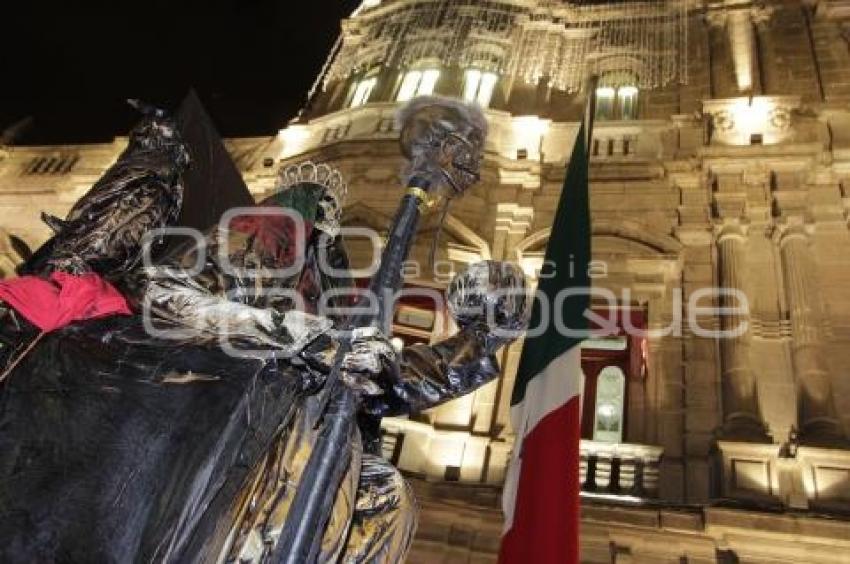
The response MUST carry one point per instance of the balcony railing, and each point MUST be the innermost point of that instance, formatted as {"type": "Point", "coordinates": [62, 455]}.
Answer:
{"type": "Point", "coordinates": [620, 469]}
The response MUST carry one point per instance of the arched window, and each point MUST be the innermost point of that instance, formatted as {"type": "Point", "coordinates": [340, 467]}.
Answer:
{"type": "Point", "coordinates": [478, 86]}
{"type": "Point", "coordinates": [610, 398]}
{"type": "Point", "coordinates": [617, 96]}
{"type": "Point", "coordinates": [613, 364]}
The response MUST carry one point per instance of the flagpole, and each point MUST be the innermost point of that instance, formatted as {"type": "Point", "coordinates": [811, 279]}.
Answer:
{"type": "Point", "coordinates": [590, 113]}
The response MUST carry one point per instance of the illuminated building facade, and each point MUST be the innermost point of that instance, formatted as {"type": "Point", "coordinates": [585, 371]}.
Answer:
{"type": "Point", "coordinates": [720, 159]}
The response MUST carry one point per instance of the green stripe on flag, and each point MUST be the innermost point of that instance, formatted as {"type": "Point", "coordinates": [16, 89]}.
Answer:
{"type": "Point", "coordinates": [565, 265]}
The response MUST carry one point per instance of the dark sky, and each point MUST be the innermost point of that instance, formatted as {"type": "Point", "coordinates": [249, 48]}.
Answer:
{"type": "Point", "coordinates": [71, 64]}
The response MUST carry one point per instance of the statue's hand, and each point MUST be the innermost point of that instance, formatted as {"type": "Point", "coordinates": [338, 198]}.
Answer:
{"type": "Point", "coordinates": [490, 298]}
{"type": "Point", "coordinates": [372, 359]}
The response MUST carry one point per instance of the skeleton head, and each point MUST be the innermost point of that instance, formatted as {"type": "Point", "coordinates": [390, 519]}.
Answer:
{"type": "Point", "coordinates": [443, 141]}
{"type": "Point", "coordinates": [331, 213]}
{"type": "Point", "coordinates": [325, 178]}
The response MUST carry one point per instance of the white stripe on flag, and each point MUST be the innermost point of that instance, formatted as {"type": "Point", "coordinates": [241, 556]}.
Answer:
{"type": "Point", "coordinates": [559, 382]}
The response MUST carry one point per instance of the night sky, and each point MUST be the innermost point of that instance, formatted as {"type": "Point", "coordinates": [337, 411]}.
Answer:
{"type": "Point", "coordinates": [70, 65]}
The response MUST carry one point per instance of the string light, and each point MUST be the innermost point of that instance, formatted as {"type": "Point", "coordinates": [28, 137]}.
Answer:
{"type": "Point", "coordinates": [561, 43]}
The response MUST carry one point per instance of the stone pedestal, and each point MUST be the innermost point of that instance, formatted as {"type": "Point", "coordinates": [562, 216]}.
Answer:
{"type": "Point", "coordinates": [749, 471]}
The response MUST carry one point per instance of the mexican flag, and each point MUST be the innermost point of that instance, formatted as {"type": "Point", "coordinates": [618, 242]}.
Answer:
{"type": "Point", "coordinates": [541, 496]}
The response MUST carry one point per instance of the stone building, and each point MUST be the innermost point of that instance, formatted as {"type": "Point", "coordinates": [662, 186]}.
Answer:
{"type": "Point", "coordinates": [720, 159]}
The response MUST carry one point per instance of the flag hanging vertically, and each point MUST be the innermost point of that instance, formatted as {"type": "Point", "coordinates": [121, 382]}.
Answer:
{"type": "Point", "coordinates": [541, 496]}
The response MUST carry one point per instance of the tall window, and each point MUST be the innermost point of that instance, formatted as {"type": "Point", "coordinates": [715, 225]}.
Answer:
{"type": "Point", "coordinates": [605, 102]}
{"type": "Point", "coordinates": [478, 86]}
{"type": "Point", "coordinates": [627, 98]}
{"type": "Point", "coordinates": [616, 102]}
{"type": "Point", "coordinates": [613, 362]}
{"type": "Point", "coordinates": [610, 397]}
{"type": "Point", "coordinates": [363, 91]}
{"type": "Point", "coordinates": [417, 83]}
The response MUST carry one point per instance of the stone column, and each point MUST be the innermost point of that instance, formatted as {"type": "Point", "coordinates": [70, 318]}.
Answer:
{"type": "Point", "coordinates": [816, 411]}
{"type": "Point", "coordinates": [739, 26]}
{"type": "Point", "coordinates": [721, 57]}
{"type": "Point", "coordinates": [765, 52]}
{"type": "Point", "coordinates": [741, 41]}
{"type": "Point", "coordinates": [740, 401]}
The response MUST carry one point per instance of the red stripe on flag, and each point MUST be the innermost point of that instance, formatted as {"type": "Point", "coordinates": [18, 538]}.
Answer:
{"type": "Point", "coordinates": [546, 517]}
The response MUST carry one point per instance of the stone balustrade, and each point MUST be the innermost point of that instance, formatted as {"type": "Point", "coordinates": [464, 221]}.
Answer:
{"type": "Point", "coordinates": [619, 468]}
{"type": "Point", "coordinates": [614, 145]}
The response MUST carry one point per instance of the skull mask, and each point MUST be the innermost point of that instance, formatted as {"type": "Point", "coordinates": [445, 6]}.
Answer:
{"type": "Point", "coordinates": [443, 141]}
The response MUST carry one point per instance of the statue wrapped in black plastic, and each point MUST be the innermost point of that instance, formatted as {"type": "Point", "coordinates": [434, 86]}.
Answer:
{"type": "Point", "coordinates": [140, 193]}
{"type": "Point", "coordinates": [182, 433]}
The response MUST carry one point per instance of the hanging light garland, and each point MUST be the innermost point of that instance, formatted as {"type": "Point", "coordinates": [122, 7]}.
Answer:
{"type": "Point", "coordinates": [559, 41]}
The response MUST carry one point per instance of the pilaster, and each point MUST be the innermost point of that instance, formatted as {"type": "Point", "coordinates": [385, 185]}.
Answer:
{"type": "Point", "coordinates": [816, 411]}
{"type": "Point", "coordinates": [742, 418]}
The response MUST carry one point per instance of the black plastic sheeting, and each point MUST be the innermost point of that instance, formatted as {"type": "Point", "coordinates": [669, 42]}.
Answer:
{"type": "Point", "coordinates": [212, 184]}
{"type": "Point", "coordinates": [142, 191]}
{"type": "Point", "coordinates": [175, 171]}
{"type": "Point", "coordinates": [117, 447]}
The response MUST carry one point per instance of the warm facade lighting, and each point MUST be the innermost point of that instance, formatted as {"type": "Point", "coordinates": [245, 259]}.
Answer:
{"type": "Point", "coordinates": [529, 132]}
{"type": "Point", "coordinates": [751, 120]}
{"type": "Point", "coordinates": [294, 138]}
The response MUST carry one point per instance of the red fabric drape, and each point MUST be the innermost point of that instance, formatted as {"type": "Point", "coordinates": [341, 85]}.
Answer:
{"type": "Point", "coordinates": [63, 299]}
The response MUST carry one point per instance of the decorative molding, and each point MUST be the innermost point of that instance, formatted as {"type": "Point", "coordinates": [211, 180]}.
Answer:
{"type": "Point", "coordinates": [826, 474]}
{"type": "Point", "coordinates": [749, 470]}
{"type": "Point", "coordinates": [742, 120]}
